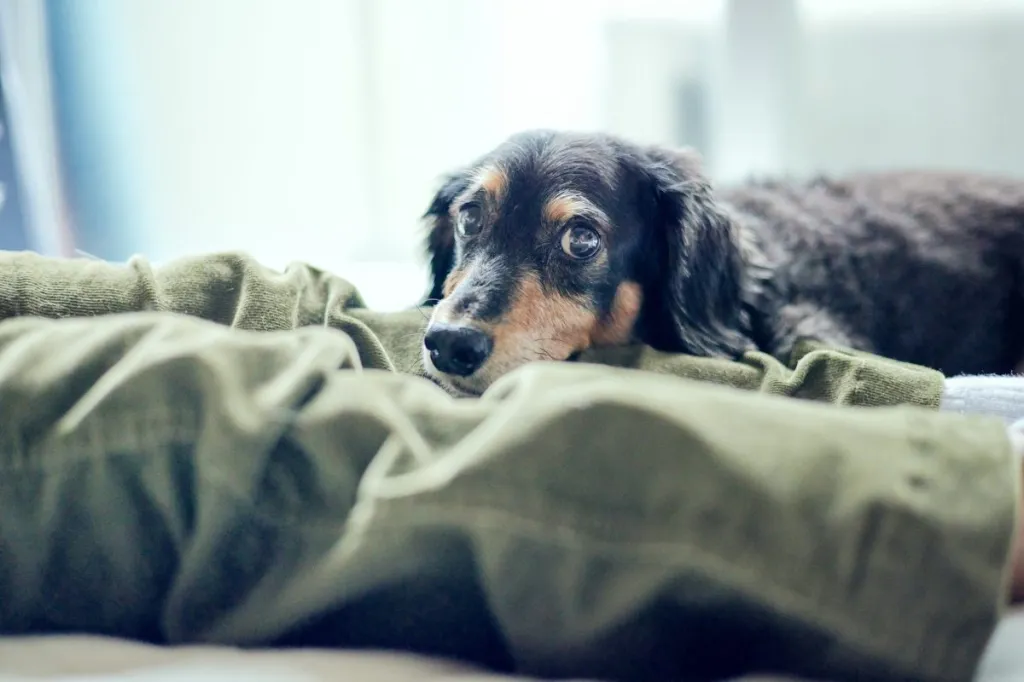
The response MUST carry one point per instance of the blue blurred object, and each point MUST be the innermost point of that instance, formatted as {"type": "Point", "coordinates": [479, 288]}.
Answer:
{"type": "Point", "coordinates": [13, 230]}
{"type": "Point", "coordinates": [92, 116]}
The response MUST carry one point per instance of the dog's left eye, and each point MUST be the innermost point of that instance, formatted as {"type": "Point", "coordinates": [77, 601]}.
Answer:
{"type": "Point", "coordinates": [580, 242]}
{"type": "Point", "coordinates": [470, 219]}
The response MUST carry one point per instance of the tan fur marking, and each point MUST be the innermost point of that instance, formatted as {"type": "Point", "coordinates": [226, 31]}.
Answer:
{"type": "Point", "coordinates": [563, 207]}
{"type": "Point", "coordinates": [494, 181]}
{"type": "Point", "coordinates": [543, 324]}
{"type": "Point", "coordinates": [617, 328]}
{"type": "Point", "coordinates": [452, 281]}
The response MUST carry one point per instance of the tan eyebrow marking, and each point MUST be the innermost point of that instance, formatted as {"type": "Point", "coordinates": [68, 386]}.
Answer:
{"type": "Point", "coordinates": [567, 205]}
{"type": "Point", "coordinates": [494, 181]}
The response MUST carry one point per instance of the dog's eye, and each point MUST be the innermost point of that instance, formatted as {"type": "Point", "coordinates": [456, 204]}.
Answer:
{"type": "Point", "coordinates": [580, 242]}
{"type": "Point", "coordinates": [470, 219]}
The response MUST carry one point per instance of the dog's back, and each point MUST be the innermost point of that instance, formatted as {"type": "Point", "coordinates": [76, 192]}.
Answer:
{"type": "Point", "coordinates": [922, 267]}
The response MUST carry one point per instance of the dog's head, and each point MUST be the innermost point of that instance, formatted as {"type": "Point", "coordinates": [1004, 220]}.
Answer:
{"type": "Point", "coordinates": [556, 242]}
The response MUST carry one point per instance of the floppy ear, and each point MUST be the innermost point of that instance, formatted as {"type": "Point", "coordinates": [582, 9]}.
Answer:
{"type": "Point", "coordinates": [440, 241]}
{"type": "Point", "coordinates": [696, 291]}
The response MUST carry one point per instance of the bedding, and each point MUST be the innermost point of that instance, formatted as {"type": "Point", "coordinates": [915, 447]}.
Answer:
{"type": "Point", "coordinates": [233, 289]}
{"type": "Point", "coordinates": [260, 478]}
{"type": "Point", "coordinates": [95, 659]}
{"type": "Point", "coordinates": [81, 658]}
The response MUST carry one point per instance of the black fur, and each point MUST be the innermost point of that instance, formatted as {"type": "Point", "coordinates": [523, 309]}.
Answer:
{"type": "Point", "coordinates": [693, 247]}
{"type": "Point", "coordinates": [924, 267]}
{"type": "Point", "coordinates": [441, 238]}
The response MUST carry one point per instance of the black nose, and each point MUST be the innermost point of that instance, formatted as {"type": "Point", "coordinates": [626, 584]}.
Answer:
{"type": "Point", "coordinates": [457, 350]}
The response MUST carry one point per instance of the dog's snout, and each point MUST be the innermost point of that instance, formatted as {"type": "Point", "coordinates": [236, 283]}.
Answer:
{"type": "Point", "coordinates": [457, 350]}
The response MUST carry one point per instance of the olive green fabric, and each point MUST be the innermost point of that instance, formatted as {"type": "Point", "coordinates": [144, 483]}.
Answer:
{"type": "Point", "coordinates": [233, 289]}
{"type": "Point", "coordinates": [167, 478]}
{"type": "Point", "coordinates": [175, 479]}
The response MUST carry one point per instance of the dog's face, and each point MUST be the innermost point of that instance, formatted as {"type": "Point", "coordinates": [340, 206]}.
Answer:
{"type": "Point", "coordinates": [557, 242]}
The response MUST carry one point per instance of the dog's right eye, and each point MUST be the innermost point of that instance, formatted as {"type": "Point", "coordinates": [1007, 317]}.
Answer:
{"type": "Point", "coordinates": [470, 219]}
{"type": "Point", "coordinates": [580, 242]}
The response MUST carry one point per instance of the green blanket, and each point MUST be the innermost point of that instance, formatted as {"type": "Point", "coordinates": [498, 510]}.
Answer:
{"type": "Point", "coordinates": [175, 479]}
{"type": "Point", "coordinates": [234, 290]}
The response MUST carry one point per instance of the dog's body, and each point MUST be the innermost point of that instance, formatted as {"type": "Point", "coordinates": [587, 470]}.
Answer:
{"type": "Point", "coordinates": [555, 242]}
{"type": "Point", "coordinates": [922, 267]}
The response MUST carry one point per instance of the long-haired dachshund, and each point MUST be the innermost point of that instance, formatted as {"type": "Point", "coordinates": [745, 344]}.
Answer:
{"type": "Point", "coordinates": [555, 242]}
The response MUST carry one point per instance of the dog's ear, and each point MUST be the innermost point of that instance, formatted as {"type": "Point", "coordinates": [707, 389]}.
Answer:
{"type": "Point", "coordinates": [440, 240]}
{"type": "Point", "coordinates": [696, 292]}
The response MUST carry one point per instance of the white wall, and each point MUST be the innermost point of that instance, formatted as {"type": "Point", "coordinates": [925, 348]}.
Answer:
{"type": "Point", "coordinates": [249, 135]}
{"type": "Point", "coordinates": [928, 89]}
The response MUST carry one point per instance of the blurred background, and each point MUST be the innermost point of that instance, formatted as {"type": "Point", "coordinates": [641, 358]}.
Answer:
{"type": "Point", "coordinates": [317, 130]}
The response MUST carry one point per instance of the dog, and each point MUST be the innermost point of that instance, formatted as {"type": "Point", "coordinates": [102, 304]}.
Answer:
{"type": "Point", "coordinates": [558, 241]}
